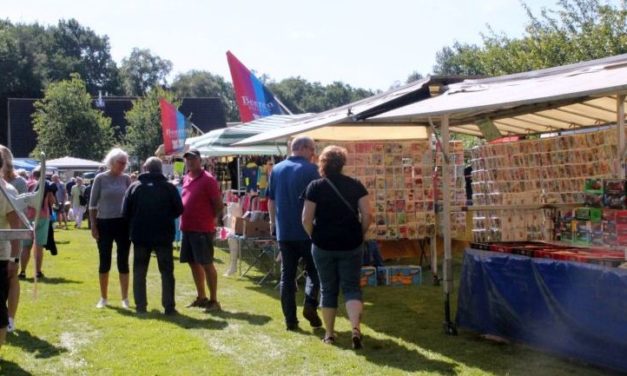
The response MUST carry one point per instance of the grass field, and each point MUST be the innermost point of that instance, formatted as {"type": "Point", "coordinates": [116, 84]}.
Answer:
{"type": "Point", "coordinates": [62, 333]}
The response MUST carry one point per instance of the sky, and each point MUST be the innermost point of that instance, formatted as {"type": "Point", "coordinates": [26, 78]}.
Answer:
{"type": "Point", "coordinates": [364, 43]}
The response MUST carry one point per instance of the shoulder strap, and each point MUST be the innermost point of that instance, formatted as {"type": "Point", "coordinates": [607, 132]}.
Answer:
{"type": "Point", "coordinates": [340, 195]}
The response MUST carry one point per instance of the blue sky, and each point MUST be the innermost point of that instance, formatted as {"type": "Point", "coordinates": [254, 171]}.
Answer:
{"type": "Point", "coordinates": [365, 43]}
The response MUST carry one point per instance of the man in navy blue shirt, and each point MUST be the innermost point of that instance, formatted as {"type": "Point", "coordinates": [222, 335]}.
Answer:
{"type": "Point", "coordinates": [287, 183]}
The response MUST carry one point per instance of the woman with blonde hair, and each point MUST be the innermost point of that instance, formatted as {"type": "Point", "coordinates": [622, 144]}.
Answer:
{"type": "Point", "coordinates": [108, 223]}
{"type": "Point", "coordinates": [336, 215]}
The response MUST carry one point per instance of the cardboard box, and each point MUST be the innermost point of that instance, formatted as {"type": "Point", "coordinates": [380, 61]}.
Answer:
{"type": "Point", "coordinates": [368, 276]}
{"type": "Point", "coordinates": [256, 229]}
{"type": "Point", "coordinates": [403, 275]}
{"type": "Point", "coordinates": [250, 229]}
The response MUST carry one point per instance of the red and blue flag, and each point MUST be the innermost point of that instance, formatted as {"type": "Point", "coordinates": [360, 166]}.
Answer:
{"type": "Point", "coordinates": [254, 100]}
{"type": "Point", "coordinates": [174, 126]}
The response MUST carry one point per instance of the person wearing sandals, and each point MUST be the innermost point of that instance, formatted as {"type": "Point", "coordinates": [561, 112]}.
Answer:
{"type": "Point", "coordinates": [109, 225]}
{"type": "Point", "coordinates": [336, 215]}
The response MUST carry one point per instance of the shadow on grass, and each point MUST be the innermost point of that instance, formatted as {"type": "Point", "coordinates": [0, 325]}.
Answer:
{"type": "Point", "coordinates": [34, 345]}
{"type": "Point", "coordinates": [251, 318]}
{"type": "Point", "coordinates": [384, 352]}
{"type": "Point", "coordinates": [10, 368]}
{"type": "Point", "coordinates": [415, 315]}
{"type": "Point", "coordinates": [53, 281]}
{"type": "Point", "coordinates": [185, 322]}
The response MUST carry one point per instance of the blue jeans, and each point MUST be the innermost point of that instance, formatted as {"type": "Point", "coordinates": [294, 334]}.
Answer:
{"type": "Point", "coordinates": [291, 253]}
{"type": "Point", "coordinates": [338, 270]}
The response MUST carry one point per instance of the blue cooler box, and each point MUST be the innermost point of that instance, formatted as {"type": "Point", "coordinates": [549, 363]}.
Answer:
{"type": "Point", "coordinates": [402, 275]}
{"type": "Point", "coordinates": [368, 276]}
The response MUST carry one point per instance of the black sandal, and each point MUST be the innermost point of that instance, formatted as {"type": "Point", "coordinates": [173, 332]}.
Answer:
{"type": "Point", "coordinates": [357, 345]}
{"type": "Point", "coordinates": [330, 340]}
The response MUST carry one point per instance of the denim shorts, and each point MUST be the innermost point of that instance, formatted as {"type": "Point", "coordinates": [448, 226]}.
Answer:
{"type": "Point", "coordinates": [338, 270]}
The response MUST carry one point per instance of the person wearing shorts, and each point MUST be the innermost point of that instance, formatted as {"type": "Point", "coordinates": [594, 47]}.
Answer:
{"type": "Point", "coordinates": [202, 203]}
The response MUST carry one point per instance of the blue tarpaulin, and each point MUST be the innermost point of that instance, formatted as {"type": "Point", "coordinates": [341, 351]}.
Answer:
{"type": "Point", "coordinates": [572, 309]}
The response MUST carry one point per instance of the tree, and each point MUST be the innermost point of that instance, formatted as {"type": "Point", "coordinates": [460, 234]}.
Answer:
{"type": "Point", "coordinates": [67, 125]}
{"type": "Point", "coordinates": [74, 48]}
{"type": "Point", "coordinates": [577, 30]}
{"type": "Point", "coordinates": [205, 84]}
{"type": "Point", "coordinates": [143, 130]}
{"type": "Point", "coordinates": [142, 70]}
{"type": "Point", "coordinates": [299, 95]}
{"type": "Point", "coordinates": [414, 76]}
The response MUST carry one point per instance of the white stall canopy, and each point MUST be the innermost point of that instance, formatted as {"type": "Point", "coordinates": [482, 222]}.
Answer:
{"type": "Point", "coordinates": [548, 100]}
{"type": "Point", "coordinates": [219, 142]}
{"type": "Point", "coordinates": [345, 123]}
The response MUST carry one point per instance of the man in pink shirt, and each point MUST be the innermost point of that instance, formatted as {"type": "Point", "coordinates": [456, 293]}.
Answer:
{"type": "Point", "coordinates": [202, 203]}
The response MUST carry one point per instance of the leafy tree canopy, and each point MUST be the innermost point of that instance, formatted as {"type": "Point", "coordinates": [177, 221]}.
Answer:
{"type": "Point", "coordinates": [142, 70]}
{"type": "Point", "coordinates": [576, 30]}
{"type": "Point", "coordinates": [67, 124]}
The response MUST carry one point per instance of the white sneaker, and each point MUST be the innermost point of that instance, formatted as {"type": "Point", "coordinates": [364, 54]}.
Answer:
{"type": "Point", "coordinates": [11, 326]}
{"type": "Point", "coordinates": [125, 304]}
{"type": "Point", "coordinates": [101, 303]}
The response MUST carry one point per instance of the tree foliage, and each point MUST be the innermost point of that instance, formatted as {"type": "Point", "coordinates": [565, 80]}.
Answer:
{"type": "Point", "coordinates": [143, 130]}
{"type": "Point", "coordinates": [576, 30]}
{"type": "Point", "coordinates": [205, 84]}
{"type": "Point", "coordinates": [142, 70]}
{"type": "Point", "coordinates": [67, 125]}
{"type": "Point", "coordinates": [300, 96]}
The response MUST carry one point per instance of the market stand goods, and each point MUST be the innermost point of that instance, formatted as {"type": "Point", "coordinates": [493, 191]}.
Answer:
{"type": "Point", "coordinates": [399, 180]}
{"type": "Point", "coordinates": [541, 171]}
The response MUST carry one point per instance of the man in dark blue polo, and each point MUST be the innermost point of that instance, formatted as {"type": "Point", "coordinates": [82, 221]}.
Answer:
{"type": "Point", "coordinates": [287, 183]}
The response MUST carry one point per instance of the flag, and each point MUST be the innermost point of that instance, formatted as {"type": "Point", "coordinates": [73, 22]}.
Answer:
{"type": "Point", "coordinates": [254, 100]}
{"type": "Point", "coordinates": [174, 126]}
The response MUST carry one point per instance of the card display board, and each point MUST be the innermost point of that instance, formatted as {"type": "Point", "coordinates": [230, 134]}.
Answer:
{"type": "Point", "coordinates": [540, 171]}
{"type": "Point", "coordinates": [400, 188]}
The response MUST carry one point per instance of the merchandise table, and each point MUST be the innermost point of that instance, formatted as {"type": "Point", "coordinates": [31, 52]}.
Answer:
{"type": "Point", "coordinates": [572, 309]}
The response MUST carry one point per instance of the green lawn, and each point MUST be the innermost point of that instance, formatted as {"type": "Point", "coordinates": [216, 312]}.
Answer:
{"type": "Point", "coordinates": [62, 333]}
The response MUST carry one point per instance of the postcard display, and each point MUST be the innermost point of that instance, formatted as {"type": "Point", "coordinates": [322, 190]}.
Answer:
{"type": "Point", "coordinates": [399, 180]}
{"type": "Point", "coordinates": [457, 188]}
{"type": "Point", "coordinates": [542, 171]}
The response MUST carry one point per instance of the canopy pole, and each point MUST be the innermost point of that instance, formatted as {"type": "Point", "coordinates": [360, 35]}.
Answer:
{"type": "Point", "coordinates": [620, 126]}
{"type": "Point", "coordinates": [447, 267]}
{"type": "Point", "coordinates": [433, 240]}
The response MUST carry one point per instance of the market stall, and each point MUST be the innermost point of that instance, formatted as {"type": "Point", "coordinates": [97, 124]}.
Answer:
{"type": "Point", "coordinates": [519, 181]}
{"type": "Point", "coordinates": [398, 151]}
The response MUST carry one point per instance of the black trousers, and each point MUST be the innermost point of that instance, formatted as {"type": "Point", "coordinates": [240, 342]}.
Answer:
{"type": "Point", "coordinates": [165, 261]}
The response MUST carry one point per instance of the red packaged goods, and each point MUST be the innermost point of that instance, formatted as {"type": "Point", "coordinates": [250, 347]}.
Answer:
{"type": "Point", "coordinates": [545, 253]}
{"type": "Point", "coordinates": [563, 255]}
{"type": "Point", "coordinates": [621, 216]}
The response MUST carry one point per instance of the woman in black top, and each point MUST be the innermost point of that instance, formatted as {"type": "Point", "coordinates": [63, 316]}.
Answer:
{"type": "Point", "coordinates": [336, 215]}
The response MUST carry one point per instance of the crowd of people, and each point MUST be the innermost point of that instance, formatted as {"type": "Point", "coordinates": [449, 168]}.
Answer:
{"type": "Point", "coordinates": [317, 214]}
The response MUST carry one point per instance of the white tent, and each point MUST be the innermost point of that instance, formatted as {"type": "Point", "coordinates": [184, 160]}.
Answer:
{"type": "Point", "coordinates": [219, 142]}
{"type": "Point", "coordinates": [71, 163]}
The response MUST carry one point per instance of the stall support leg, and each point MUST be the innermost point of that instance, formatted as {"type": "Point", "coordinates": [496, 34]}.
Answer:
{"type": "Point", "coordinates": [433, 243]}
{"type": "Point", "coordinates": [620, 127]}
{"type": "Point", "coordinates": [447, 270]}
